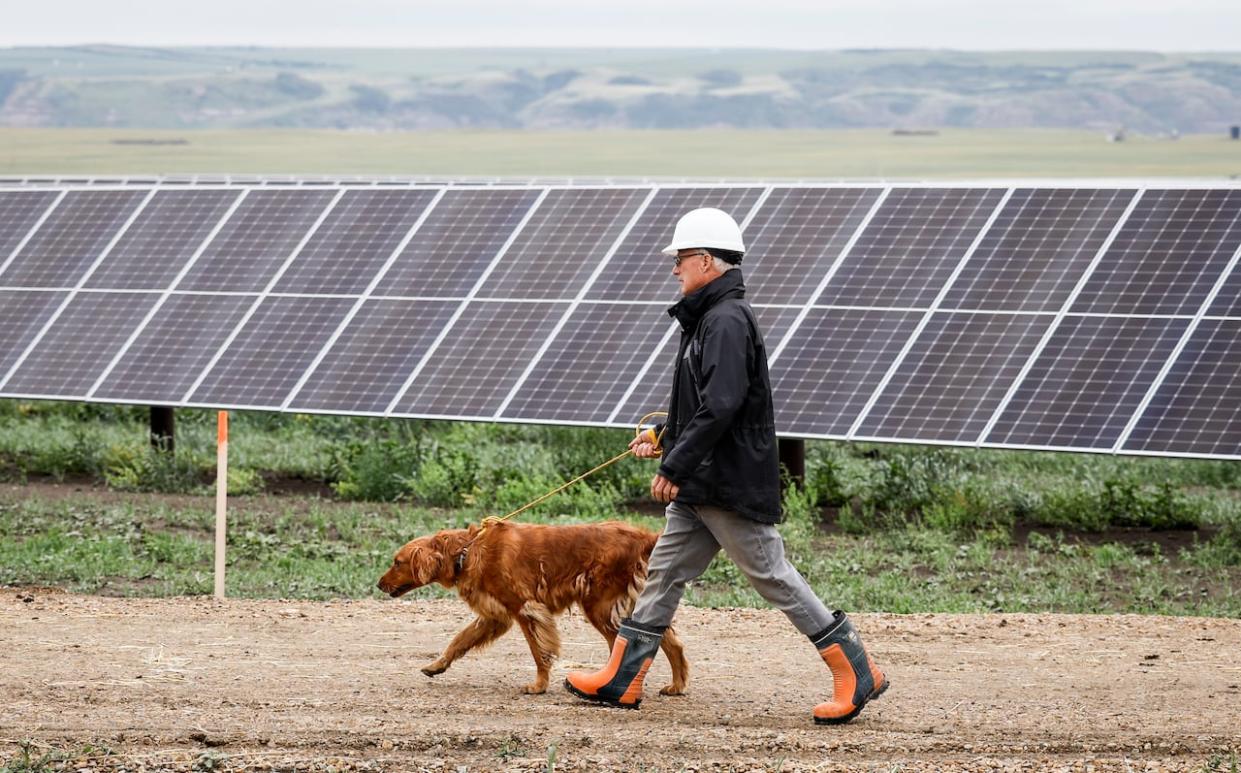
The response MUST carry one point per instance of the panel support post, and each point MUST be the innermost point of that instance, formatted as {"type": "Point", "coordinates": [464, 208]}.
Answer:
{"type": "Point", "coordinates": [163, 428]}
{"type": "Point", "coordinates": [221, 495]}
{"type": "Point", "coordinates": [793, 459]}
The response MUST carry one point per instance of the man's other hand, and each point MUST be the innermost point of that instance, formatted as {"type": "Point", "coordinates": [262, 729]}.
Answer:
{"type": "Point", "coordinates": [643, 448]}
{"type": "Point", "coordinates": [663, 490]}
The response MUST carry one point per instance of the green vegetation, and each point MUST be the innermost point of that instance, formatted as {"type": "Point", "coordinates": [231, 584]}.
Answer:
{"type": "Point", "coordinates": [953, 154]}
{"type": "Point", "coordinates": [892, 528]}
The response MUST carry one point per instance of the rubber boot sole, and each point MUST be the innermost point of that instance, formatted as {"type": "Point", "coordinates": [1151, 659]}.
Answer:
{"type": "Point", "coordinates": [600, 699]}
{"type": "Point", "coordinates": [856, 709]}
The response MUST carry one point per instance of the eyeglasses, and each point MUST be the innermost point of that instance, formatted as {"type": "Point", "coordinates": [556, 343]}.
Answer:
{"type": "Point", "coordinates": [676, 261]}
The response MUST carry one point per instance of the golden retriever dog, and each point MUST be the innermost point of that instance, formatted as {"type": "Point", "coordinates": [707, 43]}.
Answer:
{"type": "Point", "coordinates": [530, 573]}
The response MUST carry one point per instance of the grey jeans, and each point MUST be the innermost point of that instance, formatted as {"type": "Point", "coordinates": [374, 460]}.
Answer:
{"type": "Point", "coordinates": [691, 538]}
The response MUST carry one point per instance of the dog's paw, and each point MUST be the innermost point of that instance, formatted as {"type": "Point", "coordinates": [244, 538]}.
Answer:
{"type": "Point", "coordinates": [434, 669]}
{"type": "Point", "coordinates": [534, 688]}
{"type": "Point", "coordinates": [672, 689]}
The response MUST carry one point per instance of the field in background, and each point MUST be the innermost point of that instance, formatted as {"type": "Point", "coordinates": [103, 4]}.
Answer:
{"type": "Point", "coordinates": [952, 154]}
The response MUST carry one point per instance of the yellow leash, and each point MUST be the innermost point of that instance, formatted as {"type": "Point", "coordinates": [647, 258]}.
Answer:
{"type": "Point", "coordinates": [491, 519]}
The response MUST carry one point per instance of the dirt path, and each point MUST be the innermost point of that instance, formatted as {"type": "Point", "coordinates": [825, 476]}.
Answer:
{"type": "Point", "coordinates": [188, 683]}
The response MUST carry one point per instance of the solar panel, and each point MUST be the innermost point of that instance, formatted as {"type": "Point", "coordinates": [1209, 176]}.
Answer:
{"type": "Point", "coordinates": [953, 377]}
{"type": "Point", "coordinates": [369, 362]}
{"type": "Point", "coordinates": [1167, 255]}
{"type": "Point", "coordinates": [271, 351]}
{"type": "Point", "coordinates": [256, 240]}
{"type": "Point", "coordinates": [1197, 408]}
{"type": "Point", "coordinates": [19, 212]}
{"type": "Point", "coordinates": [796, 237]}
{"type": "Point", "coordinates": [456, 243]}
{"type": "Point", "coordinates": [590, 363]}
{"type": "Point", "coordinates": [481, 358]}
{"type": "Point", "coordinates": [71, 239]}
{"type": "Point", "coordinates": [1087, 382]}
{"type": "Point", "coordinates": [1037, 249]}
{"type": "Point", "coordinates": [911, 247]}
{"type": "Point", "coordinates": [563, 242]}
{"type": "Point", "coordinates": [165, 235]}
{"type": "Point", "coordinates": [637, 271]}
{"type": "Point", "coordinates": [1063, 308]}
{"type": "Point", "coordinates": [653, 390]}
{"type": "Point", "coordinates": [832, 364]}
{"type": "Point", "coordinates": [174, 347]}
{"type": "Point", "coordinates": [75, 349]}
{"type": "Point", "coordinates": [23, 313]}
{"type": "Point", "coordinates": [354, 241]}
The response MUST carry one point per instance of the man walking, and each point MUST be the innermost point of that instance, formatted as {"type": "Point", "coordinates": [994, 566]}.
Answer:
{"type": "Point", "coordinates": [721, 477]}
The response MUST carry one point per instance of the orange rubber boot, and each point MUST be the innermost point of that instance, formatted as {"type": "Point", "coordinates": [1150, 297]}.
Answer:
{"type": "Point", "coordinates": [855, 678]}
{"type": "Point", "coordinates": [619, 683]}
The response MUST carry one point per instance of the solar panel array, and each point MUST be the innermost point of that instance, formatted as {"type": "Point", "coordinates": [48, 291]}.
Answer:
{"type": "Point", "coordinates": [1098, 318]}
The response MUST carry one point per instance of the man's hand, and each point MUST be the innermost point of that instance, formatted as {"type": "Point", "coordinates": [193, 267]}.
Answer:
{"type": "Point", "coordinates": [643, 448]}
{"type": "Point", "coordinates": [664, 490]}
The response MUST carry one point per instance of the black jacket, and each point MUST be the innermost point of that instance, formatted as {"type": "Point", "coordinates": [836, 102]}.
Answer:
{"type": "Point", "coordinates": [720, 441]}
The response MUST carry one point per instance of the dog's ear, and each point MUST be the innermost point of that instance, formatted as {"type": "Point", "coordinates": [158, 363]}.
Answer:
{"type": "Point", "coordinates": [425, 564]}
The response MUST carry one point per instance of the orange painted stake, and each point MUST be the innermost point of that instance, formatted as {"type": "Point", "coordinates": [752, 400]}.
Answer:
{"type": "Point", "coordinates": [221, 495]}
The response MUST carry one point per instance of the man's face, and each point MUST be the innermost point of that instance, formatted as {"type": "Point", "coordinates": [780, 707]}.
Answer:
{"type": "Point", "coordinates": [693, 269]}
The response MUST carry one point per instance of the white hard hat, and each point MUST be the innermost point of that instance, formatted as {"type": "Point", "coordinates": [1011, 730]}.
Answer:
{"type": "Point", "coordinates": [706, 227]}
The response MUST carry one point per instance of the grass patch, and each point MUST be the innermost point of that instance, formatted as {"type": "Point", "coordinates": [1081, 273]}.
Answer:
{"type": "Point", "coordinates": [875, 527]}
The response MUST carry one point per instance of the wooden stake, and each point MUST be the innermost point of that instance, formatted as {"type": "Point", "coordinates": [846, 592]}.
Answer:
{"type": "Point", "coordinates": [221, 495]}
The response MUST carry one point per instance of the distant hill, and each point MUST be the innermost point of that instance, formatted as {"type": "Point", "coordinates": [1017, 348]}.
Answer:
{"type": "Point", "coordinates": [381, 89]}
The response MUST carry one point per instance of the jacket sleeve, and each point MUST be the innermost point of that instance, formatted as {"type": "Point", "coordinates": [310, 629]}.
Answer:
{"type": "Point", "coordinates": [722, 388]}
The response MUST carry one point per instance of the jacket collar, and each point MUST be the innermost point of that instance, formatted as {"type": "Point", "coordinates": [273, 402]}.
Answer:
{"type": "Point", "coordinates": [690, 309]}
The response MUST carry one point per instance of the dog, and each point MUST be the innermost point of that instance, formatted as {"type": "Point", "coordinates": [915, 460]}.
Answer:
{"type": "Point", "coordinates": [528, 574]}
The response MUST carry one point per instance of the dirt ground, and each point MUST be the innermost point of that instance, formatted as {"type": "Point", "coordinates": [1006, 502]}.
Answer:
{"type": "Point", "coordinates": [191, 684]}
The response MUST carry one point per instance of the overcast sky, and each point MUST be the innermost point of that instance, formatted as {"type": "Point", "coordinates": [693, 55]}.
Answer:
{"type": "Point", "coordinates": [1159, 25]}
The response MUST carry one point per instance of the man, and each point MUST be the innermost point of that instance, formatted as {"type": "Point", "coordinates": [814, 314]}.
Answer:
{"type": "Point", "coordinates": [720, 475]}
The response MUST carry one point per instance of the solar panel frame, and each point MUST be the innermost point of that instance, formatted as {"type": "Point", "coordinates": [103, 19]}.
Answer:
{"type": "Point", "coordinates": [360, 371]}
{"type": "Point", "coordinates": [478, 283]}
{"type": "Point", "coordinates": [394, 254]}
{"type": "Point", "coordinates": [185, 269]}
{"type": "Point", "coordinates": [490, 344]}
{"type": "Point", "coordinates": [944, 384]}
{"type": "Point", "coordinates": [901, 259]}
{"type": "Point", "coordinates": [1079, 394]}
{"type": "Point", "coordinates": [256, 242]}
{"type": "Point", "coordinates": [10, 247]}
{"type": "Point", "coordinates": [1221, 282]}
{"type": "Point", "coordinates": [23, 314]}
{"type": "Point", "coordinates": [536, 266]}
{"type": "Point", "coordinates": [356, 241]}
{"type": "Point", "coordinates": [66, 358]}
{"type": "Point", "coordinates": [1166, 259]}
{"type": "Point", "coordinates": [34, 343]}
{"type": "Point", "coordinates": [1082, 281]}
{"type": "Point", "coordinates": [271, 283]}
{"type": "Point", "coordinates": [297, 325]}
{"type": "Point", "coordinates": [176, 339]}
{"type": "Point", "coordinates": [82, 245]}
{"type": "Point", "coordinates": [927, 315]}
{"type": "Point", "coordinates": [155, 249]}
{"type": "Point", "coordinates": [1182, 422]}
{"type": "Point", "coordinates": [451, 251]}
{"type": "Point", "coordinates": [1024, 269]}
{"type": "Point", "coordinates": [583, 289]}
